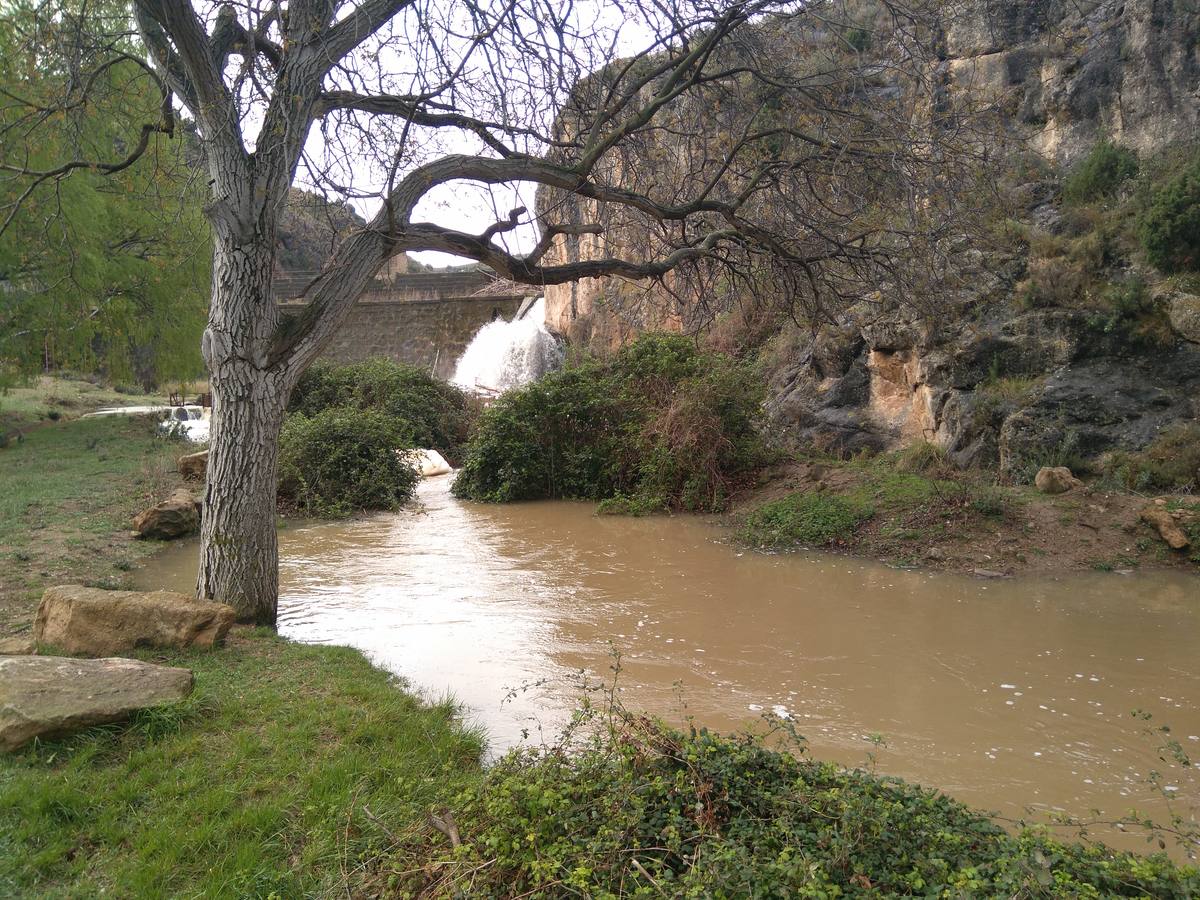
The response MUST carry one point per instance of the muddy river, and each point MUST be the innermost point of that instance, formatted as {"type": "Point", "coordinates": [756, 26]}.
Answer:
{"type": "Point", "coordinates": [1009, 694]}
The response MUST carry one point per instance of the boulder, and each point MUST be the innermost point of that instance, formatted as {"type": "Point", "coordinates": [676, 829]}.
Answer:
{"type": "Point", "coordinates": [1159, 518]}
{"type": "Point", "coordinates": [17, 646]}
{"type": "Point", "coordinates": [177, 516]}
{"type": "Point", "coordinates": [427, 462]}
{"type": "Point", "coordinates": [1055, 480]}
{"type": "Point", "coordinates": [194, 465]}
{"type": "Point", "coordinates": [43, 696]}
{"type": "Point", "coordinates": [1184, 310]}
{"type": "Point", "coordinates": [94, 622]}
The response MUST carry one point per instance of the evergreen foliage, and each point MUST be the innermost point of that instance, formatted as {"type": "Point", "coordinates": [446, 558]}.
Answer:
{"type": "Point", "coordinates": [662, 425]}
{"type": "Point", "coordinates": [1169, 228]}
{"type": "Point", "coordinates": [1100, 173]}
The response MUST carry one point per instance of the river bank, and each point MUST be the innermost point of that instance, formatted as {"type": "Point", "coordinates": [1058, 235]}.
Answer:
{"type": "Point", "coordinates": [947, 520]}
{"type": "Point", "coordinates": [303, 769]}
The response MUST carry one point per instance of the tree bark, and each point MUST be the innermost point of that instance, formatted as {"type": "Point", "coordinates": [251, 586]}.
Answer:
{"type": "Point", "coordinates": [239, 553]}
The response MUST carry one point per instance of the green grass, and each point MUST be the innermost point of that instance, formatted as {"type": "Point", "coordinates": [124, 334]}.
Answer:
{"type": "Point", "coordinates": [49, 398]}
{"type": "Point", "coordinates": [813, 519]}
{"type": "Point", "coordinates": [69, 492]}
{"type": "Point", "coordinates": [289, 767]}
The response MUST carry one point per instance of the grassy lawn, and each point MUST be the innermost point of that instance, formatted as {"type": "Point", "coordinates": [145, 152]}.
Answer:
{"type": "Point", "coordinates": [69, 492]}
{"type": "Point", "coordinates": [290, 768]}
{"type": "Point", "coordinates": [50, 399]}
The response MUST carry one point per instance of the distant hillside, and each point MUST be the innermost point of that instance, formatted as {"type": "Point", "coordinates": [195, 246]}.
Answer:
{"type": "Point", "coordinates": [310, 228]}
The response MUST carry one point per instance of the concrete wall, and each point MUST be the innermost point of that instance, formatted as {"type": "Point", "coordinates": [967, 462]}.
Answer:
{"type": "Point", "coordinates": [431, 334]}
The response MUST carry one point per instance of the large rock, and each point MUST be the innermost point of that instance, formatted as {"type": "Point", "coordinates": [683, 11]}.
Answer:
{"type": "Point", "coordinates": [44, 696]}
{"type": "Point", "coordinates": [1055, 480]}
{"type": "Point", "coordinates": [1184, 310]}
{"type": "Point", "coordinates": [17, 646]}
{"type": "Point", "coordinates": [177, 516]}
{"type": "Point", "coordinates": [1159, 518]}
{"type": "Point", "coordinates": [194, 465]}
{"type": "Point", "coordinates": [94, 622]}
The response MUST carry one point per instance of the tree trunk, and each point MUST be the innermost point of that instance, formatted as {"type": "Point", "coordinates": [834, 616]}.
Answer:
{"type": "Point", "coordinates": [239, 552]}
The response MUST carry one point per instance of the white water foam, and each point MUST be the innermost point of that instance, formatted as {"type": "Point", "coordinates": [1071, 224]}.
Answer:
{"type": "Point", "coordinates": [505, 355]}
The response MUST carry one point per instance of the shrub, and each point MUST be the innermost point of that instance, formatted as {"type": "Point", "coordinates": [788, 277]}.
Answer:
{"type": "Point", "coordinates": [1100, 173]}
{"type": "Point", "coordinates": [343, 460]}
{"type": "Point", "coordinates": [1171, 462]}
{"type": "Point", "coordinates": [991, 501]}
{"type": "Point", "coordinates": [1055, 282]}
{"type": "Point", "coordinates": [1169, 228]}
{"type": "Point", "coordinates": [435, 414]}
{"type": "Point", "coordinates": [813, 518]}
{"type": "Point", "coordinates": [641, 810]}
{"type": "Point", "coordinates": [661, 425]}
{"type": "Point", "coordinates": [1130, 311]}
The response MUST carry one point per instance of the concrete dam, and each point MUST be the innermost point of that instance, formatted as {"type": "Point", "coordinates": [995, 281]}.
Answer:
{"type": "Point", "coordinates": [424, 319]}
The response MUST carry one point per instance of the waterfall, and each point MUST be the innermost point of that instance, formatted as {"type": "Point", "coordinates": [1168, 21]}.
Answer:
{"type": "Point", "coordinates": [504, 355]}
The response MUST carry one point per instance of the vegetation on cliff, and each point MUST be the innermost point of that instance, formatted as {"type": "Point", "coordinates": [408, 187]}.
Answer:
{"type": "Point", "coordinates": [661, 425]}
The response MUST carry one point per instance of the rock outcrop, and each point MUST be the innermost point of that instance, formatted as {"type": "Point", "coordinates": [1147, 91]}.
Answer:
{"type": "Point", "coordinates": [175, 517]}
{"type": "Point", "coordinates": [92, 622]}
{"type": "Point", "coordinates": [996, 388]}
{"type": "Point", "coordinates": [46, 696]}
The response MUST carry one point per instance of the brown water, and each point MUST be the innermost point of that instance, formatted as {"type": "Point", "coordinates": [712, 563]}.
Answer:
{"type": "Point", "coordinates": [1007, 694]}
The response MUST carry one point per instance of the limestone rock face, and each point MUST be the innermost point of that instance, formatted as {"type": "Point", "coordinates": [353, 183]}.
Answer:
{"type": "Point", "coordinates": [177, 516]}
{"type": "Point", "coordinates": [1055, 480]}
{"type": "Point", "coordinates": [194, 465]}
{"type": "Point", "coordinates": [93, 622]}
{"type": "Point", "coordinates": [42, 696]}
{"type": "Point", "coordinates": [1069, 75]}
{"type": "Point", "coordinates": [992, 389]}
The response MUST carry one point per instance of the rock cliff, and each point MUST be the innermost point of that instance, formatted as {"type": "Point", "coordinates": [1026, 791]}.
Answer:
{"type": "Point", "coordinates": [992, 380]}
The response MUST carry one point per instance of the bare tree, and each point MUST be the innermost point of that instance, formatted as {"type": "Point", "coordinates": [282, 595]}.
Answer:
{"type": "Point", "coordinates": [742, 136]}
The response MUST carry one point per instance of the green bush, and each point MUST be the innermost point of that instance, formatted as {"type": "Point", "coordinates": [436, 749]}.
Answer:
{"type": "Point", "coordinates": [344, 460]}
{"type": "Point", "coordinates": [1169, 228]}
{"type": "Point", "coordinates": [435, 414]}
{"type": "Point", "coordinates": [814, 518]}
{"type": "Point", "coordinates": [1100, 173]}
{"type": "Point", "coordinates": [642, 810]}
{"type": "Point", "coordinates": [1170, 463]}
{"type": "Point", "coordinates": [661, 425]}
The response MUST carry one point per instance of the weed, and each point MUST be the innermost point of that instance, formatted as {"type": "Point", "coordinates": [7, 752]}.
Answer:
{"type": "Point", "coordinates": [921, 457]}
{"type": "Point", "coordinates": [813, 519]}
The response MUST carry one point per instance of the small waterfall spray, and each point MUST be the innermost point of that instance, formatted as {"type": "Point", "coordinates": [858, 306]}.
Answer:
{"type": "Point", "coordinates": [505, 355]}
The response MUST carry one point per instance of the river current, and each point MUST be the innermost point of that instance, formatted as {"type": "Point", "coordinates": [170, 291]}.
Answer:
{"type": "Point", "coordinates": [1011, 694]}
